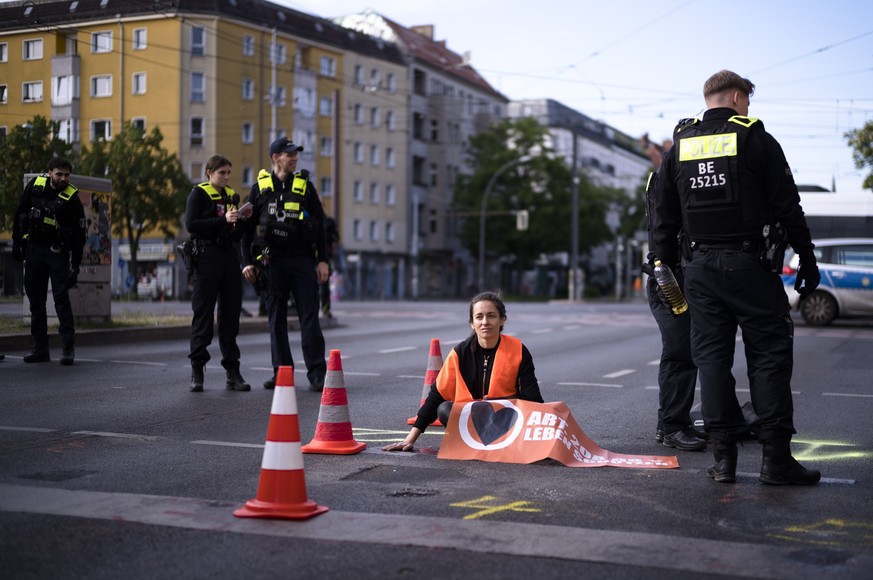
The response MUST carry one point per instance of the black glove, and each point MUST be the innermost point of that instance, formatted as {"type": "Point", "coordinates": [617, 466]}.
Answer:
{"type": "Point", "coordinates": [17, 253]}
{"type": "Point", "coordinates": [808, 277]}
{"type": "Point", "coordinates": [73, 278]}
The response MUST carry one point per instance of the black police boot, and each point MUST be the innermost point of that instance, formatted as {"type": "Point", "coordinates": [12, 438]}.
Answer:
{"type": "Point", "coordinates": [37, 355]}
{"type": "Point", "coordinates": [235, 382]}
{"type": "Point", "coordinates": [725, 468]}
{"type": "Point", "coordinates": [778, 467]}
{"type": "Point", "coordinates": [270, 383]}
{"type": "Point", "coordinates": [68, 356]}
{"type": "Point", "coordinates": [197, 377]}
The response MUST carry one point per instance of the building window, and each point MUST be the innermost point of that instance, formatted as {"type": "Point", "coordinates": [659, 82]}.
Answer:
{"type": "Point", "coordinates": [247, 173]}
{"type": "Point", "coordinates": [198, 87]}
{"type": "Point", "coordinates": [4, 51]}
{"type": "Point", "coordinates": [304, 101]}
{"type": "Point", "coordinates": [198, 41]}
{"type": "Point", "coordinates": [391, 82]}
{"type": "Point", "coordinates": [101, 130]}
{"type": "Point", "coordinates": [2, 132]}
{"type": "Point", "coordinates": [138, 123]}
{"type": "Point", "coordinates": [325, 106]}
{"type": "Point", "coordinates": [359, 153]}
{"type": "Point", "coordinates": [279, 95]}
{"type": "Point", "coordinates": [358, 190]}
{"type": "Point", "coordinates": [64, 90]}
{"type": "Point", "coordinates": [68, 130]}
{"type": "Point", "coordinates": [389, 121]}
{"type": "Point", "coordinates": [434, 130]}
{"type": "Point", "coordinates": [31, 49]}
{"type": "Point", "coordinates": [326, 148]}
{"type": "Point", "coordinates": [197, 131]}
{"type": "Point", "coordinates": [375, 117]}
{"type": "Point", "coordinates": [248, 133]}
{"type": "Point", "coordinates": [356, 230]}
{"type": "Point", "coordinates": [31, 92]}
{"type": "Point", "coordinates": [374, 193]}
{"type": "Point", "coordinates": [248, 89]}
{"type": "Point", "coordinates": [279, 54]}
{"type": "Point", "coordinates": [326, 189]}
{"type": "Point", "coordinates": [434, 174]}
{"type": "Point", "coordinates": [390, 195]}
{"type": "Point", "coordinates": [374, 231]}
{"type": "Point", "coordinates": [139, 38]}
{"type": "Point", "coordinates": [4, 94]}
{"type": "Point", "coordinates": [101, 86]}
{"type": "Point", "coordinates": [375, 77]}
{"type": "Point", "coordinates": [390, 158]}
{"type": "Point", "coordinates": [101, 41]}
{"type": "Point", "coordinates": [248, 45]}
{"type": "Point", "coordinates": [389, 232]}
{"type": "Point", "coordinates": [139, 83]}
{"type": "Point", "coordinates": [328, 66]}
{"type": "Point", "coordinates": [359, 114]}
{"type": "Point", "coordinates": [374, 155]}
{"type": "Point", "coordinates": [359, 75]}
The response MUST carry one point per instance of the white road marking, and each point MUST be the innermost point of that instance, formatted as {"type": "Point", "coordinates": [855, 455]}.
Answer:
{"type": "Point", "coordinates": [398, 349]}
{"type": "Point", "coordinates": [620, 373]}
{"type": "Point", "coordinates": [847, 395]}
{"type": "Point", "coordinates": [541, 331]}
{"type": "Point", "coordinates": [119, 435]}
{"type": "Point", "coordinates": [138, 362]}
{"type": "Point", "coordinates": [591, 385]}
{"type": "Point", "coordinates": [228, 444]}
{"type": "Point", "coordinates": [362, 374]}
{"type": "Point", "coordinates": [30, 429]}
{"type": "Point", "coordinates": [655, 362]}
{"type": "Point", "coordinates": [410, 377]}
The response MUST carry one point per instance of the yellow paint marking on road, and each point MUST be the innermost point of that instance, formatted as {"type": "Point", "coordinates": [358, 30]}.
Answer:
{"type": "Point", "coordinates": [486, 510]}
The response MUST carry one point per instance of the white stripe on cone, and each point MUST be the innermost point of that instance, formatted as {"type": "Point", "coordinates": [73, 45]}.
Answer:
{"type": "Point", "coordinates": [282, 456]}
{"type": "Point", "coordinates": [284, 401]}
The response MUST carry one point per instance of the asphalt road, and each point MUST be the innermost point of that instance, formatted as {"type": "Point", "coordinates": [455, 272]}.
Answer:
{"type": "Point", "coordinates": [112, 468]}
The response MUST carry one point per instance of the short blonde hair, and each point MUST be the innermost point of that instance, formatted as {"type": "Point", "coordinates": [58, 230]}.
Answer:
{"type": "Point", "coordinates": [726, 80]}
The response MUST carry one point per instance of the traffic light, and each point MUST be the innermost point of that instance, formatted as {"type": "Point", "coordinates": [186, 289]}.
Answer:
{"type": "Point", "coordinates": [521, 220]}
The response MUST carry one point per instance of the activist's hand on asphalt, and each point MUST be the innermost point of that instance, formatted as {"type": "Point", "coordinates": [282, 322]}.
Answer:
{"type": "Point", "coordinates": [401, 446]}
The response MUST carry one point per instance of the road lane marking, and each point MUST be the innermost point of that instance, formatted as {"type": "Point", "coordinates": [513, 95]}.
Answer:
{"type": "Point", "coordinates": [410, 377]}
{"type": "Point", "coordinates": [591, 385]}
{"type": "Point", "coordinates": [541, 331]}
{"type": "Point", "coordinates": [486, 507]}
{"type": "Point", "coordinates": [119, 435]}
{"type": "Point", "coordinates": [29, 429]}
{"type": "Point", "coordinates": [655, 362]}
{"type": "Point", "coordinates": [634, 549]}
{"type": "Point", "coordinates": [138, 362]}
{"type": "Point", "coordinates": [398, 349]}
{"type": "Point", "coordinates": [847, 395]}
{"type": "Point", "coordinates": [620, 373]}
{"type": "Point", "coordinates": [227, 444]}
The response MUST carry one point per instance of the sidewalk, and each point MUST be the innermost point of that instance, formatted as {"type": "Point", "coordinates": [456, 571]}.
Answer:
{"type": "Point", "coordinates": [250, 323]}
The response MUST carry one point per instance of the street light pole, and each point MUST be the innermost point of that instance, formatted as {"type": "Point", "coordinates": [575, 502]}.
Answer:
{"type": "Point", "coordinates": [491, 182]}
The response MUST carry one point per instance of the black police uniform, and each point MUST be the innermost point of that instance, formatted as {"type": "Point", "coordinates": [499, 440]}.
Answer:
{"type": "Point", "coordinates": [677, 375]}
{"type": "Point", "coordinates": [723, 180]}
{"type": "Point", "coordinates": [286, 231]}
{"type": "Point", "coordinates": [49, 226]}
{"type": "Point", "coordinates": [217, 277]}
{"type": "Point", "coordinates": [331, 235]}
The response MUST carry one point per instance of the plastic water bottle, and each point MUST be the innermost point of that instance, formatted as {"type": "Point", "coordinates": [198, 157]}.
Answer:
{"type": "Point", "coordinates": [670, 288]}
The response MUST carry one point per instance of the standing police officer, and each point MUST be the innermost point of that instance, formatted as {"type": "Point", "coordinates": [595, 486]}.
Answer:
{"type": "Point", "coordinates": [725, 181]}
{"type": "Point", "coordinates": [285, 243]}
{"type": "Point", "coordinates": [211, 217]}
{"type": "Point", "coordinates": [48, 233]}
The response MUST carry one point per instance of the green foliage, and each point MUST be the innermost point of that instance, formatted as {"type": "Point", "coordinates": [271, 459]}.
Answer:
{"type": "Point", "coordinates": [27, 148]}
{"type": "Point", "coordinates": [542, 185]}
{"type": "Point", "coordinates": [149, 187]}
{"type": "Point", "coordinates": [861, 141]}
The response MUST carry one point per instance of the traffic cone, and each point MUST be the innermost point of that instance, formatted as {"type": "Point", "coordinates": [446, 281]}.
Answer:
{"type": "Point", "coordinates": [282, 486]}
{"type": "Point", "coordinates": [434, 364]}
{"type": "Point", "coordinates": [333, 432]}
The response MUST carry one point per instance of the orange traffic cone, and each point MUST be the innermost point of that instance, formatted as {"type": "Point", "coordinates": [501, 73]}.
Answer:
{"type": "Point", "coordinates": [333, 432]}
{"type": "Point", "coordinates": [282, 486]}
{"type": "Point", "coordinates": [434, 364]}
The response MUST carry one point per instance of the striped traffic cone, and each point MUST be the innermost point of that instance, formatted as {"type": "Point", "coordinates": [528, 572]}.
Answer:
{"type": "Point", "coordinates": [333, 432]}
{"type": "Point", "coordinates": [282, 486]}
{"type": "Point", "coordinates": [434, 364]}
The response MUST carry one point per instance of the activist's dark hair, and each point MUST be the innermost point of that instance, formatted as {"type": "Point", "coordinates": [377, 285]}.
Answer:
{"type": "Point", "coordinates": [492, 297]}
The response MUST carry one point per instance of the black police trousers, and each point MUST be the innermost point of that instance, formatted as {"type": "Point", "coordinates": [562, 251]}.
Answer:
{"type": "Point", "coordinates": [217, 277]}
{"type": "Point", "coordinates": [730, 288]}
{"type": "Point", "coordinates": [287, 276]}
{"type": "Point", "coordinates": [42, 264]}
{"type": "Point", "coordinates": [677, 375]}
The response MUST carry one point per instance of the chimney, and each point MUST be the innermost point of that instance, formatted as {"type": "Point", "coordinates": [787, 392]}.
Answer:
{"type": "Point", "coordinates": [426, 30]}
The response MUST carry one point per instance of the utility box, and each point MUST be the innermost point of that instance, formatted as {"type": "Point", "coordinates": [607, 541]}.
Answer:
{"type": "Point", "coordinates": [91, 299]}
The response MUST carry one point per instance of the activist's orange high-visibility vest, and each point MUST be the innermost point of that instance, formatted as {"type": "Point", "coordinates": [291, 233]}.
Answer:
{"type": "Point", "coordinates": [504, 374]}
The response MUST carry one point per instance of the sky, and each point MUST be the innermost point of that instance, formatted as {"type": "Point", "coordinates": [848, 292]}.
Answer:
{"type": "Point", "coordinates": [640, 66]}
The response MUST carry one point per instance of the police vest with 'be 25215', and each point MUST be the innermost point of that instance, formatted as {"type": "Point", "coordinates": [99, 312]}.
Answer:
{"type": "Point", "coordinates": [42, 220]}
{"type": "Point", "coordinates": [285, 223]}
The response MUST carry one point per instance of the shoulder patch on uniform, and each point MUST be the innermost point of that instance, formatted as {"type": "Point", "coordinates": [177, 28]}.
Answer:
{"type": "Point", "coordinates": [743, 121]}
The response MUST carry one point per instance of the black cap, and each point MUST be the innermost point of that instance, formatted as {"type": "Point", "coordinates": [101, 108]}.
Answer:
{"type": "Point", "coordinates": [284, 145]}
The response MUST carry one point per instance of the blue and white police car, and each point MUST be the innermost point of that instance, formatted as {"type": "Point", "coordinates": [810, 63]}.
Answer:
{"type": "Point", "coordinates": [846, 289]}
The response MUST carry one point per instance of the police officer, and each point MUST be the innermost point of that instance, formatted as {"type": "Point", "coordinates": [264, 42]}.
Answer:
{"type": "Point", "coordinates": [48, 233]}
{"type": "Point", "coordinates": [284, 243]}
{"type": "Point", "coordinates": [725, 181]}
{"type": "Point", "coordinates": [212, 218]}
{"type": "Point", "coordinates": [331, 236]}
{"type": "Point", "coordinates": [677, 375]}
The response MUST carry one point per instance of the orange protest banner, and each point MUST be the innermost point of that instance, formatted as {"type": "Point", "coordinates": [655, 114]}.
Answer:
{"type": "Point", "coordinates": [516, 431]}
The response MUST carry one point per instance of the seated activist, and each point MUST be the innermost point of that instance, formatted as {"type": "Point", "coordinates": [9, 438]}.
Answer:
{"type": "Point", "coordinates": [487, 365]}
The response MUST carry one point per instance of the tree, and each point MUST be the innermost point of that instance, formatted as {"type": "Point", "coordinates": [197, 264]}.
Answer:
{"type": "Point", "coordinates": [149, 187]}
{"type": "Point", "coordinates": [27, 148]}
{"type": "Point", "coordinates": [861, 141]}
{"type": "Point", "coordinates": [542, 186]}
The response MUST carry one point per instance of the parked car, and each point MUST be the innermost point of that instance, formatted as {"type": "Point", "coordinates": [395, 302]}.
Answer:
{"type": "Point", "coordinates": [846, 288]}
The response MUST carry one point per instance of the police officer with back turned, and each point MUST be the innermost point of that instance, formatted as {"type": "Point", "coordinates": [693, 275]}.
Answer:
{"type": "Point", "coordinates": [725, 181]}
{"type": "Point", "coordinates": [283, 249]}
{"type": "Point", "coordinates": [48, 233]}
